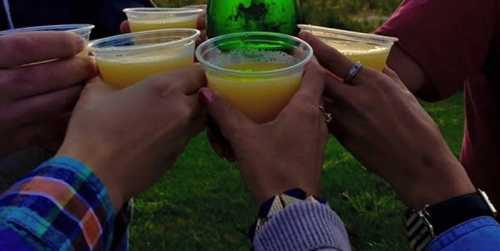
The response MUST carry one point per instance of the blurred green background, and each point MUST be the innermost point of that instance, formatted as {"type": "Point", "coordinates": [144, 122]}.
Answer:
{"type": "Point", "coordinates": [202, 205]}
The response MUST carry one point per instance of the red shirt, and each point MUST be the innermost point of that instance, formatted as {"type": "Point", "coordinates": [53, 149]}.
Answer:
{"type": "Point", "coordinates": [457, 44]}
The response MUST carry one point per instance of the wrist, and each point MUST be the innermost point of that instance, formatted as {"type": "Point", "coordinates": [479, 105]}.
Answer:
{"type": "Point", "coordinates": [101, 168]}
{"type": "Point", "coordinates": [437, 183]}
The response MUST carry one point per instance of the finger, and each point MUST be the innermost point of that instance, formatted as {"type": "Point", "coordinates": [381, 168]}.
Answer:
{"type": "Point", "coordinates": [392, 74]}
{"type": "Point", "coordinates": [40, 108]}
{"type": "Point", "coordinates": [200, 22]}
{"type": "Point", "coordinates": [220, 145]}
{"type": "Point", "coordinates": [226, 117]}
{"type": "Point", "coordinates": [96, 89]}
{"type": "Point", "coordinates": [39, 79]}
{"type": "Point", "coordinates": [30, 47]}
{"type": "Point", "coordinates": [125, 27]}
{"type": "Point", "coordinates": [337, 90]}
{"type": "Point", "coordinates": [188, 80]}
{"type": "Point", "coordinates": [334, 61]}
{"type": "Point", "coordinates": [328, 57]}
{"type": "Point", "coordinates": [312, 85]}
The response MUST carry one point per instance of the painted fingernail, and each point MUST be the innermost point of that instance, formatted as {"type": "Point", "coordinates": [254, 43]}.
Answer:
{"type": "Point", "coordinates": [206, 96]}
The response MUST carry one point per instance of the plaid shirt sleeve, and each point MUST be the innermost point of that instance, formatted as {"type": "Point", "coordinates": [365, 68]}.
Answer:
{"type": "Point", "coordinates": [61, 205]}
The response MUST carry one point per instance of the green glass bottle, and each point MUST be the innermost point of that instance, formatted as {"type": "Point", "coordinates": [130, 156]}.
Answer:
{"type": "Point", "coordinates": [230, 16]}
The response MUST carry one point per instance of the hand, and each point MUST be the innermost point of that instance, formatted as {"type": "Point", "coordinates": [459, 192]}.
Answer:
{"type": "Point", "coordinates": [275, 157]}
{"type": "Point", "coordinates": [130, 137]}
{"type": "Point", "coordinates": [36, 98]}
{"type": "Point", "coordinates": [385, 127]}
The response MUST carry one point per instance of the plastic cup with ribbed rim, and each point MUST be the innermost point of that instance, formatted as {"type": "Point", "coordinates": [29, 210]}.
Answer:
{"type": "Point", "coordinates": [256, 72]}
{"type": "Point", "coordinates": [126, 59]}
{"type": "Point", "coordinates": [144, 19]}
{"type": "Point", "coordinates": [371, 50]}
{"type": "Point", "coordinates": [84, 30]}
{"type": "Point", "coordinates": [197, 6]}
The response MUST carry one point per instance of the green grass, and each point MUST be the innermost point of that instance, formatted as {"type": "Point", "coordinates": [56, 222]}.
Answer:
{"type": "Point", "coordinates": [202, 204]}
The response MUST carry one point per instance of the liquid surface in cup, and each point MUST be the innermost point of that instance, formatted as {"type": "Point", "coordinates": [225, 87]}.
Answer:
{"type": "Point", "coordinates": [370, 55]}
{"type": "Point", "coordinates": [121, 72]}
{"type": "Point", "coordinates": [260, 98]}
{"type": "Point", "coordinates": [174, 22]}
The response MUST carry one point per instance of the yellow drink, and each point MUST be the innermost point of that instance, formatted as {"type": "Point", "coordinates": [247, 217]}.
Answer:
{"type": "Point", "coordinates": [260, 98]}
{"type": "Point", "coordinates": [121, 72]}
{"type": "Point", "coordinates": [144, 25]}
{"type": "Point", "coordinates": [370, 55]}
{"type": "Point", "coordinates": [126, 59]}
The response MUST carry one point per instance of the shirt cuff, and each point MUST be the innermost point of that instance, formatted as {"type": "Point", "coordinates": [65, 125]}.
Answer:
{"type": "Point", "coordinates": [303, 226]}
{"type": "Point", "coordinates": [481, 233]}
{"type": "Point", "coordinates": [61, 204]}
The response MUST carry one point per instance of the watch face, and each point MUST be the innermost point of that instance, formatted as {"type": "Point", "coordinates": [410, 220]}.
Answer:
{"type": "Point", "coordinates": [419, 229]}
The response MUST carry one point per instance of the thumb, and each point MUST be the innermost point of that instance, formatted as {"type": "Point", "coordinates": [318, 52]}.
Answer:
{"type": "Point", "coordinates": [225, 116]}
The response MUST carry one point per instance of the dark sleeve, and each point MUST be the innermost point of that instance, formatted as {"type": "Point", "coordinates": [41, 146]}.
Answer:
{"type": "Point", "coordinates": [448, 39]}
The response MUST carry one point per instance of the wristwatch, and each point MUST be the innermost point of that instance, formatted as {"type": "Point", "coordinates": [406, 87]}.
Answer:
{"type": "Point", "coordinates": [276, 204]}
{"type": "Point", "coordinates": [424, 225]}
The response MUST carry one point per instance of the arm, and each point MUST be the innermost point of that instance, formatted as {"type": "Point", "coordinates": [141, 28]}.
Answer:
{"type": "Point", "coordinates": [441, 44]}
{"type": "Point", "coordinates": [60, 205]}
{"type": "Point", "coordinates": [400, 142]}
{"type": "Point", "coordinates": [274, 163]}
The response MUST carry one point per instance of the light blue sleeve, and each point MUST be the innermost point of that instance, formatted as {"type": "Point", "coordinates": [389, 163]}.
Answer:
{"type": "Point", "coordinates": [479, 234]}
{"type": "Point", "coordinates": [303, 226]}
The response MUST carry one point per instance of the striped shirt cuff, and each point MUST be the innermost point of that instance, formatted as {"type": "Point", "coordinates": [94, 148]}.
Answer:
{"type": "Point", "coordinates": [303, 226]}
{"type": "Point", "coordinates": [61, 205]}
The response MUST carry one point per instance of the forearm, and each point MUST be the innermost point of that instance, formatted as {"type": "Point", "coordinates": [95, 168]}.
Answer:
{"type": "Point", "coordinates": [60, 205]}
{"type": "Point", "coordinates": [303, 226]}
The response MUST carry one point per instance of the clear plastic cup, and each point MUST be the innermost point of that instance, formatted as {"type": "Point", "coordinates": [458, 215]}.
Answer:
{"type": "Point", "coordinates": [256, 72]}
{"type": "Point", "coordinates": [197, 6]}
{"type": "Point", "coordinates": [144, 19]}
{"type": "Point", "coordinates": [83, 30]}
{"type": "Point", "coordinates": [126, 59]}
{"type": "Point", "coordinates": [369, 49]}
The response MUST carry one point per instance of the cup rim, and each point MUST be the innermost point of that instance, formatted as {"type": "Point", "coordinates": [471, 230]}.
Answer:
{"type": "Point", "coordinates": [194, 34]}
{"type": "Point", "coordinates": [233, 72]}
{"type": "Point", "coordinates": [352, 35]}
{"type": "Point", "coordinates": [63, 27]}
{"type": "Point", "coordinates": [153, 10]}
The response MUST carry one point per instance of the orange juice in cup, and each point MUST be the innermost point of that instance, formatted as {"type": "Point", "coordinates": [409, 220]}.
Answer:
{"type": "Point", "coordinates": [256, 72]}
{"type": "Point", "coordinates": [126, 59]}
{"type": "Point", "coordinates": [144, 19]}
{"type": "Point", "coordinates": [371, 50]}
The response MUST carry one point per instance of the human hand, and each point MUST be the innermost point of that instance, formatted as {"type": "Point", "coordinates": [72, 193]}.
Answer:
{"type": "Point", "coordinates": [130, 137]}
{"type": "Point", "coordinates": [385, 127]}
{"type": "Point", "coordinates": [40, 82]}
{"type": "Point", "coordinates": [285, 153]}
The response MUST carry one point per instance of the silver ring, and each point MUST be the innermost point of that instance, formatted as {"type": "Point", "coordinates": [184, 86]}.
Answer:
{"type": "Point", "coordinates": [353, 72]}
{"type": "Point", "coordinates": [328, 116]}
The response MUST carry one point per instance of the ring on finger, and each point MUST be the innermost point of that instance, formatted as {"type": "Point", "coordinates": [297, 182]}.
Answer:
{"type": "Point", "coordinates": [353, 73]}
{"type": "Point", "coordinates": [328, 116]}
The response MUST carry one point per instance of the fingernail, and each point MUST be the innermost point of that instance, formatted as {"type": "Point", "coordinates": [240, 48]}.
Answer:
{"type": "Point", "coordinates": [206, 96]}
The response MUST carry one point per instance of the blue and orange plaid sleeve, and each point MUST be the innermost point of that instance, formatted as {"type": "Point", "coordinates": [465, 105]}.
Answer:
{"type": "Point", "coordinates": [61, 205]}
